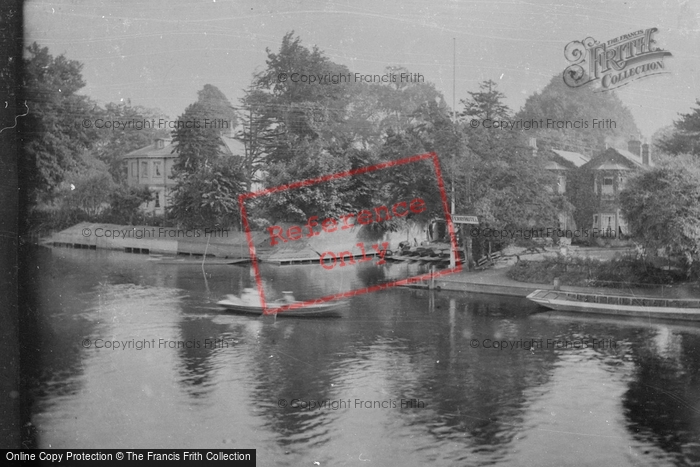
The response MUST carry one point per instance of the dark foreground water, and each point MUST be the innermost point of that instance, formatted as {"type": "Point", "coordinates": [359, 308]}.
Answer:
{"type": "Point", "coordinates": [404, 378]}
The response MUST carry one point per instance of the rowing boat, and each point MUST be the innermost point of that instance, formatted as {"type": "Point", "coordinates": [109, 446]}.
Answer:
{"type": "Point", "coordinates": [621, 305]}
{"type": "Point", "coordinates": [250, 303]}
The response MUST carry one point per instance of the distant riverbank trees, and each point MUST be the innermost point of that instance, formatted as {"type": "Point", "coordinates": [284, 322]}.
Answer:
{"type": "Point", "coordinates": [294, 131]}
{"type": "Point", "coordinates": [70, 168]}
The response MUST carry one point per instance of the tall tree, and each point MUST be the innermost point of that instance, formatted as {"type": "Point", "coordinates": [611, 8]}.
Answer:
{"type": "Point", "coordinates": [301, 111]}
{"type": "Point", "coordinates": [560, 104]}
{"type": "Point", "coordinates": [487, 104]}
{"type": "Point", "coordinates": [505, 184]}
{"type": "Point", "coordinates": [207, 183]}
{"type": "Point", "coordinates": [217, 107]}
{"type": "Point", "coordinates": [300, 128]}
{"type": "Point", "coordinates": [258, 133]}
{"type": "Point", "coordinates": [59, 123]}
{"type": "Point", "coordinates": [375, 108]}
{"type": "Point", "coordinates": [197, 137]}
{"type": "Point", "coordinates": [685, 138]}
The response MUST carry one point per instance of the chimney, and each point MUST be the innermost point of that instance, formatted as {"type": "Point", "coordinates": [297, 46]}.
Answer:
{"type": "Point", "coordinates": [645, 154]}
{"type": "Point", "coordinates": [634, 146]}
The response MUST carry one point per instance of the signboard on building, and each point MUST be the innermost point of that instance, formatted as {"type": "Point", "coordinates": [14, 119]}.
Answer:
{"type": "Point", "coordinates": [460, 219]}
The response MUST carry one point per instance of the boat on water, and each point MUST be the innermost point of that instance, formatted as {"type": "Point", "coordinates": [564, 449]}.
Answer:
{"type": "Point", "coordinates": [620, 305]}
{"type": "Point", "coordinates": [249, 302]}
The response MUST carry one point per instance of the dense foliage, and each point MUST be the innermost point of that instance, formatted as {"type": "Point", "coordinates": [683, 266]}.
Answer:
{"type": "Point", "coordinates": [579, 107]}
{"type": "Point", "coordinates": [662, 208]}
{"type": "Point", "coordinates": [52, 134]}
{"type": "Point", "coordinates": [621, 272]}
{"type": "Point", "coordinates": [684, 138]}
{"type": "Point", "coordinates": [293, 131]}
{"type": "Point", "coordinates": [209, 179]}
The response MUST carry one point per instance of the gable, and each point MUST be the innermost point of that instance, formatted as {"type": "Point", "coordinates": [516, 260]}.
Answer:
{"type": "Point", "coordinates": [613, 159]}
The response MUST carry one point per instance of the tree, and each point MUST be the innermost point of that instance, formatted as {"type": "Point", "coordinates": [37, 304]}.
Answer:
{"type": "Point", "coordinates": [91, 193]}
{"type": "Point", "coordinates": [217, 107]}
{"type": "Point", "coordinates": [197, 145]}
{"type": "Point", "coordinates": [208, 184]}
{"type": "Point", "coordinates": [53, 132]}
{"type": "Point", "coordinates": [258, 133]}
{"type": "Point", "coordinates": [125, 203]}
{"type": "Point", "coordinates": [685, 138]}
{"type": "Point", "coordinates": [662, 208]}
{"type": "Point", "coordinates": [486, 104]}
{"type": "Point", "coordinates": [208, 198]}
{"type": "Point", "coordinates": [376, 108]}
{"type": "Point", "coordinates": [299, 112]}
{"type": "Point", "coordinates": [87, 187]}
{"type": "Point", "coordinates": [557, 102]}
{"type": "Point", "coordinates": [506, 185]}
{"type": "Point", "coordinates": [297, 130]}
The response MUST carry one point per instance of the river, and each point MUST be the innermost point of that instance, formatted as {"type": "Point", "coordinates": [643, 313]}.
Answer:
{"type": "Point", "coordinates": [120, 352]}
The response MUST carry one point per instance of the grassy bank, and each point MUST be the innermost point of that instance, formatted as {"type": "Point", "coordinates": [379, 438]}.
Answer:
{"type": "Point", "coordinates": [587, 272]}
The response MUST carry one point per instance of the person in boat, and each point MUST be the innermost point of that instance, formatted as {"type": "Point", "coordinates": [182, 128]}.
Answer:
{"type": "Point", "coordinates": [250, 296]}
{"type": "Point", "coordinates": [288, 297]}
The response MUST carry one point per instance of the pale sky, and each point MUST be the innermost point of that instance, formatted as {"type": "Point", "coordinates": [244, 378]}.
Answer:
{"type": "Point", "coordinates": [159, 53]}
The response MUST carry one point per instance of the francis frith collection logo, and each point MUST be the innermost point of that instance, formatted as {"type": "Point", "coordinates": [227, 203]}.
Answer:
{"type": "Point", "coordinates": [616, 62]}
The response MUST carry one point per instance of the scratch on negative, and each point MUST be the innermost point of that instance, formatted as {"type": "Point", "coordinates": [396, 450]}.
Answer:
{"type": "Point", "coordinates": [16, 117]}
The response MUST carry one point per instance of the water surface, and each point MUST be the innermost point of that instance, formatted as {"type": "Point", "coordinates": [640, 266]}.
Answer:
{"type": "Point", "coordinates": [405, 377]}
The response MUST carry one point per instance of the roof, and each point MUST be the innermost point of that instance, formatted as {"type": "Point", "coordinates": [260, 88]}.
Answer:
{"type": "Point", "coordinates": [574, 157]}
{"type": "Point", "coordinates": [551, 165]}
{"type": "Point", "coordinates": [615, 159]}
{"type": "Point", "coordinates": [152, 151]}
{"type": "Point", "coordinates": [631, 156]}
{"type": "Point", "coordinates": [232, 147]}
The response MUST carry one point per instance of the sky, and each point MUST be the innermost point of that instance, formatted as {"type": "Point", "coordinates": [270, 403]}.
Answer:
{"type": "Point", "coordinates": [159, 53]}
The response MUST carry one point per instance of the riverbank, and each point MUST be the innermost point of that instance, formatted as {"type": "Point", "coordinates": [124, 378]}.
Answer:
{"type": "Point", "coordinates": [497, 282]}
{"type": "Point", "coordinates": [227, 244]}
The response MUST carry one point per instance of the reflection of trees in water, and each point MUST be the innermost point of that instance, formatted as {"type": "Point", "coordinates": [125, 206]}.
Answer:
{"type": "Point", "coordinates": [197, 369]}
{"type": "Point", "coordinates": [475, 397]}
{"type": "Point", "coordinates": [369, 276]}
{"type": "Point", "coordinates": [52, 285]}
{"type": "Point", "coordinates": [661, 404]}
{"type": "Point", "coordinates": [312, 281]}
{"type": "Point", "coordinates": [297, 359]}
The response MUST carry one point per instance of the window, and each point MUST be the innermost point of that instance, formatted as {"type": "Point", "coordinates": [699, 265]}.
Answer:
{"type": "Point", "coordinates": [608, 224]}
{"type": "Point", "coordinates": [144, 169]}
{"type": "Point", "coordinates": [157, 199]}
{"type": "Point", "coordinates": [608, 186]}
{"type": "Point", "coordinates": [595, 220]}
{"type": "Point", "coordinates": [134, 169]}
{"type": "Point", "coordinates": [561, 184]}
{"type": "Point", "coordinates": [156, 169]}
{"type": "Point", "coordinates": [160, 144]}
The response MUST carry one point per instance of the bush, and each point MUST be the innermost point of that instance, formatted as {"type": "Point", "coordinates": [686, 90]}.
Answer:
{"type": "Point", "coordinates": [619, 272]}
